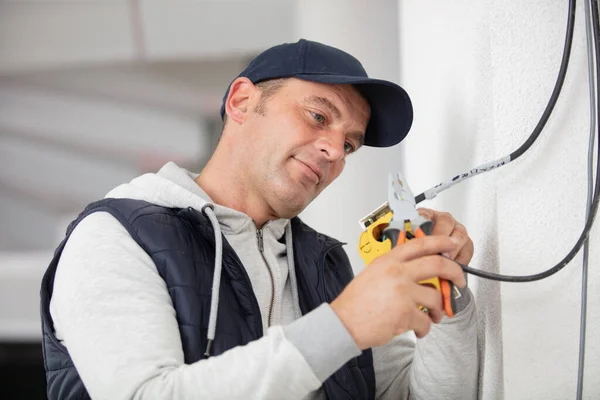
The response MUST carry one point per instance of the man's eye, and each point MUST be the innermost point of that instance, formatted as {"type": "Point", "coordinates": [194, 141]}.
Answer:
{"type": "Point", "coordinates": [348, 148]}
{"type": "Point", "coordinates": [318, 117]}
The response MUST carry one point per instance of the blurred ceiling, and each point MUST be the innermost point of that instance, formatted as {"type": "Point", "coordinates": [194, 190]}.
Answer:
{"type": "Point", "coordinates": [180, 86]}
{"type": "Point", "coordinates": [44, 35]}
{"type": "Point", "coordinates": [99, 92]}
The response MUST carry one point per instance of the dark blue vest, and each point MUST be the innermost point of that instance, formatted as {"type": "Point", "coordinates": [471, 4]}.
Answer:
{"type": "Point", "coordinates": [182, 245]}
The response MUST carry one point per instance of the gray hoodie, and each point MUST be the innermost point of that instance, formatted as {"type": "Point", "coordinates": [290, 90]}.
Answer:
{"type": "Point", "coordinates": [114, 314]}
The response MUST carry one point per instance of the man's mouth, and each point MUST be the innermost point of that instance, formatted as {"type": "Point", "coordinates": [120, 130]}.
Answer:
{"type": "Point", "coordinates": [314, 169]}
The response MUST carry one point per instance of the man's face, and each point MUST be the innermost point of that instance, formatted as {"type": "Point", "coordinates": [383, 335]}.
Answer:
{"type": "Point", "coordinates": [298, 142]}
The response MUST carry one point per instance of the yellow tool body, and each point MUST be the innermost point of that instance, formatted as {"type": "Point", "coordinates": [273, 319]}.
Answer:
{"type": "Point", "coordinates": [395, 223]}
{"type": "Point", "coordinates": [371, 246]}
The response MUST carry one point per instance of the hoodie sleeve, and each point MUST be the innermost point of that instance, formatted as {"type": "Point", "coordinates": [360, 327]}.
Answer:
{"type": "Point", "coordinates": [113, 313]}
{"type": "Point", "coordinates": [443, 364]}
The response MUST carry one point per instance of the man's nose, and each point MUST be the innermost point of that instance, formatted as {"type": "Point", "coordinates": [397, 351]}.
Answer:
{"type": "Point", "coordinates": [332, 145]}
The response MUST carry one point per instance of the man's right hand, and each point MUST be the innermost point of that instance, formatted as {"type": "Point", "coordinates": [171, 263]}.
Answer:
{"type": "Point", "coordinates": [382, 301]}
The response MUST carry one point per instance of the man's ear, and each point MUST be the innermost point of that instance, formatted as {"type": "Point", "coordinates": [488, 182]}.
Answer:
{"type": "Point", "coordinates": [238, 103]}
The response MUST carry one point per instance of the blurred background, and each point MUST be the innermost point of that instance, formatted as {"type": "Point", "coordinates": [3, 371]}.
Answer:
{"type": "Point", "coordinates": [95, 93]}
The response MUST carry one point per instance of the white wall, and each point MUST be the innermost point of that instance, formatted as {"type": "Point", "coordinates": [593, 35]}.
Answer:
{"type": "Point", "coordinates": [480, 74]}
{"type": "Point", "coordinates": [369, 31]}
{"type": "Point", "coordinates": [389, 47]}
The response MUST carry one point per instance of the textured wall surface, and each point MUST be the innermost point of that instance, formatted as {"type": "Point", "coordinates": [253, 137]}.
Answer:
{"type": "Point", "coordinates": [480, 74]}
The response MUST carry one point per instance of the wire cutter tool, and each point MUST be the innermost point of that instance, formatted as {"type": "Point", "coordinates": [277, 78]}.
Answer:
{"type": "Point", "coordinates": [396, 222]}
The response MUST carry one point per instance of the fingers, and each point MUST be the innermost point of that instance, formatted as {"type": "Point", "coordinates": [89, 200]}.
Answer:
{"type": "Point", "coordinates": [465, 254]}
{"type": "Point", "coordinates": [436, 315]}
{"type": "Point", "coordinates": [432, 300]}
{"type": "Point", "coordinates": [443, 222]}
{"type": "Point", "coordinates": [420, 259]}
{"type": "Point", "coordinates": [421, 323]}
{"type": "Point", "coordinates": [425, 246]}
{"type": "Point", "coordinates": [428, 297]}
{"type": "Point", "coordinates": [446, 225]}
{"type": "Point", "coordinates": [459, 232]}
{"type": "Point", "coordinates": [431, 266]}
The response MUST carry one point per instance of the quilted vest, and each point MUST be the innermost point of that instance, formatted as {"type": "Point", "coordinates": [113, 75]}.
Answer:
{"type": "Point", "coordinates": [182, 245]}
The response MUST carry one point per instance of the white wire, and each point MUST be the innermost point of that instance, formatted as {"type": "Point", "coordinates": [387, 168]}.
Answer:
{"type": "Point", "coordinates": [431, 193]}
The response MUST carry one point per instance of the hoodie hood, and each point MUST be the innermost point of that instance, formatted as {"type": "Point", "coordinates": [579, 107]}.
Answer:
{"type": "Point", "coordinates": [176, 187]}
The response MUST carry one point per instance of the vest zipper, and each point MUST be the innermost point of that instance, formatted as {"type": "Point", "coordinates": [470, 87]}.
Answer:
{"type": "Point", "coordinates": [325, 297]}
{"type": "Point", "coordinates": [261, 248]}
{"type": "Point", "coordinates": [324, 253]}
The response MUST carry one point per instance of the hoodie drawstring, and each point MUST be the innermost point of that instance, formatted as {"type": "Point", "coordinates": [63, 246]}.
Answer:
{"type": "Point", "coordinates": [292, 269]}
{"type": "Point", "coordinates": [208, 210]}
{"type": "Point", "coordinates": [214, 301]}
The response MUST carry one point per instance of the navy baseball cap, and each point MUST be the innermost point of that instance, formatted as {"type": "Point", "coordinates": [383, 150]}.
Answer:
{"type": "Point", "coordinates": [391, 108]}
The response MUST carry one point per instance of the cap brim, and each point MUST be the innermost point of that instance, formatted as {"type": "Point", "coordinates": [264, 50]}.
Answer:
{"type": "Point", "coordinates": [391, 108]}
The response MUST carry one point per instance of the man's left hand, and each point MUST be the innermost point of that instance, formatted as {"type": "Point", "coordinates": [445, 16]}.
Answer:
{"type": "Point", "coordinates": [445, 224]}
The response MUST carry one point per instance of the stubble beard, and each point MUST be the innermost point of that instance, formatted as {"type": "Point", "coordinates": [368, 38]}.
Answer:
{"type": "Point", "coordinates": [284, 195]}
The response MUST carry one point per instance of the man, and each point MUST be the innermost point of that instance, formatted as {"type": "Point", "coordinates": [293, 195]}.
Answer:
{"type": "Point", "coordinates": [207, 286]}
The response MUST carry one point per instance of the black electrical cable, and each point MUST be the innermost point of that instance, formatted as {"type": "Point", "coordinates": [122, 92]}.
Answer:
{"type": "Point", "coordinates": [557, 87]}
{"type": "Point", "coordinates": [540, 125]}
{"type": "Point", "coordinates": [595, 201]}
